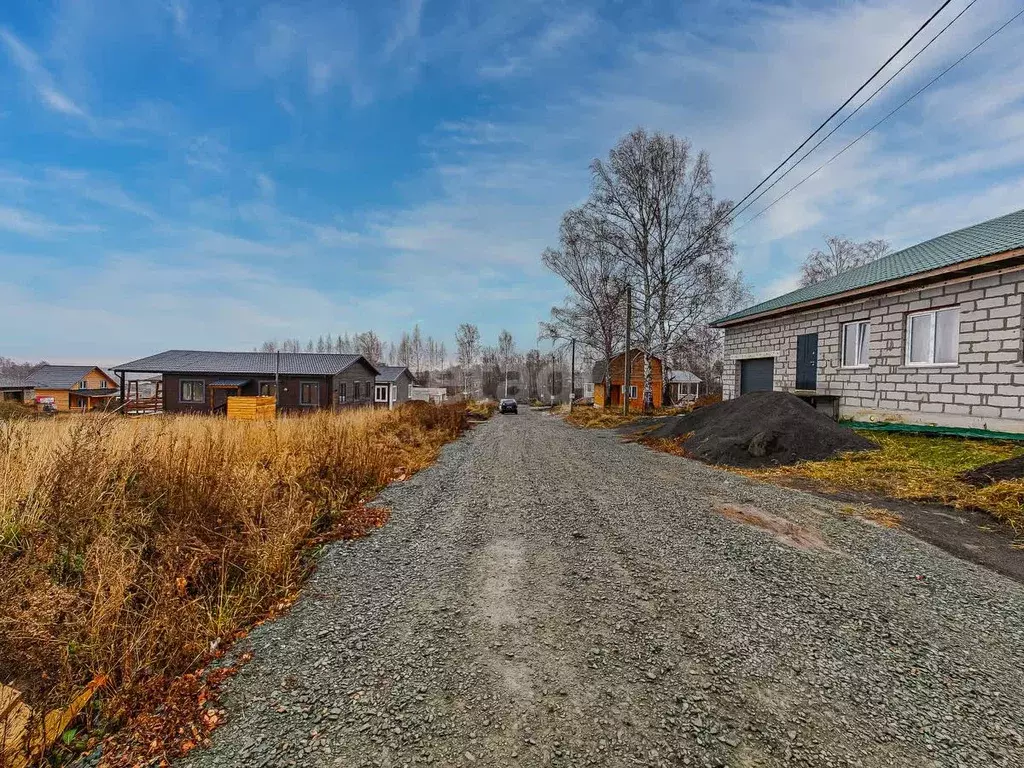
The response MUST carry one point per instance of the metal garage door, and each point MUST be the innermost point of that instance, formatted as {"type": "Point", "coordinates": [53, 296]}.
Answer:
{"type": "Point", "coordinates": [756, 375]}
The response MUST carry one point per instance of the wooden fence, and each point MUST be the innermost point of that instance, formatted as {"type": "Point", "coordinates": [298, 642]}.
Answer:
{"type": "Point", "coordinates": [251, 408]}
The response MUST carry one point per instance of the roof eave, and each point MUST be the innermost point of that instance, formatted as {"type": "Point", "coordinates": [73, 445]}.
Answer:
{"type": "Point", "coordinates": [873, 288]}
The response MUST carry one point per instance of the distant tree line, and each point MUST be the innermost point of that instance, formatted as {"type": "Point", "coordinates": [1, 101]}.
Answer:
{"type": "Point", "coordinates": [476, 369]}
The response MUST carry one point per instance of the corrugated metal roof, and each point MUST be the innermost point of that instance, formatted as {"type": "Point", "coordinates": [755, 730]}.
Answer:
{"type": "Point", "coordinates": [253, 363]}
{"type": "Point", "coordinates": [682, 377]}
{"type": "Point", "coordinates": [58, 376]}
{"type": "Point", "coordinates": [11, 382]}
{"type": "Point", "coordinates": [1005, 233]}
{"type": "Point", "coordinates": [389, 373]}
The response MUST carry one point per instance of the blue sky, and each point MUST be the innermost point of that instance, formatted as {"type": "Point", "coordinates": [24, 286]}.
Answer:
{"type": "Point", "coordinates": [176, 173]}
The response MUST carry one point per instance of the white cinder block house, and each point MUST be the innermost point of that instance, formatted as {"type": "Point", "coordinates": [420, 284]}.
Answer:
{"type": "Point", "coordinates": [929, 335]}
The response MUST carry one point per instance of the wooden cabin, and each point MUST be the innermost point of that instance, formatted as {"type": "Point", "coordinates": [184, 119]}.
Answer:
{"type": "Point", "coordinates": [72, 387]}
{"type": "Point", "coordinates": [635, 392]}
{"type": "Point", "coordinates": [199, 381]}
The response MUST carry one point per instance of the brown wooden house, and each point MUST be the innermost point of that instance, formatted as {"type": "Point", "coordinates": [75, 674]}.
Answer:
{"type": "Point", "coordinates": [616, 369]}
{"type": "Point", "coordinates": [197, 381]}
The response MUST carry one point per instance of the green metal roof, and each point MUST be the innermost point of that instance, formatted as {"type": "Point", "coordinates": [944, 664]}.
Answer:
{"type": "Point", "coordinates": [1004, 233]}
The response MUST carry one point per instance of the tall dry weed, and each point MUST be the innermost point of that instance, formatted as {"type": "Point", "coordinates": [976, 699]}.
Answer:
{"type": "Point", "coordinates": [129, 547]}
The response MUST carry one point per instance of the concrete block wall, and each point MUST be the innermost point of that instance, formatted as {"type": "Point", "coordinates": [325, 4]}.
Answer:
{"type": "Point", "coordinates": [984, 389]}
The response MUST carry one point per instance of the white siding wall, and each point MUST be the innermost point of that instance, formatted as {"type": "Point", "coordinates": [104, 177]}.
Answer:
{"type": "Point", "coordinates": [985, 389]}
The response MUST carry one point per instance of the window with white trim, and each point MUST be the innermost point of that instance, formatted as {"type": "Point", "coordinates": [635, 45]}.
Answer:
{"type": "Point", "coordinates": [632, 392]}
{"type": "Point", "coordinates": [933, 337]}
{"type": "Point", "coordinates": [380, 394]}
{"type": "Point", "coordinates": [856, 338]}
{"type": "Point", "coordinates": [192, 391]}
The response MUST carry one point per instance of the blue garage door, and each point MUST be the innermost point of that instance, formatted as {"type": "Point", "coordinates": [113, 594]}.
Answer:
{"type": "Point", "coordinates": [757, 375]}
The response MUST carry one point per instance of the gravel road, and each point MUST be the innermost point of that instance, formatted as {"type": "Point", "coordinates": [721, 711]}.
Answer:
{"type": "Point", "coordinates": [546, 595]}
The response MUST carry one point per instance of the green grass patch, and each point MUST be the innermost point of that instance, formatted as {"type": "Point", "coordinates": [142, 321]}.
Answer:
{"type": "Point", "coordinates": [914, 468]}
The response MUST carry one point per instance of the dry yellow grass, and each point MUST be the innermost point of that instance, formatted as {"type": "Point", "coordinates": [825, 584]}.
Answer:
{"type": "Point", "coordinates": [129, 547]}
{"type": "Point", "coordinates": [601, 418]}
{"type": "Point", "coordinates": [915, 468]}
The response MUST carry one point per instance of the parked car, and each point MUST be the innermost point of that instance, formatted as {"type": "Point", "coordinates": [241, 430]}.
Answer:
{"type": "Point", "coordinates": [508, 405]}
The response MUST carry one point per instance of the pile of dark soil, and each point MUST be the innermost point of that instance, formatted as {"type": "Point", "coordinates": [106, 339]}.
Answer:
{"type": "Point", "coordinates": [761, 429]}
{"type": "Point", "coordinates": [987, 474]}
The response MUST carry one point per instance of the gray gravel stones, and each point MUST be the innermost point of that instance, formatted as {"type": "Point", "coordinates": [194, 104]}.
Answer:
{"type": "Point", "coordinates": [546, 595]}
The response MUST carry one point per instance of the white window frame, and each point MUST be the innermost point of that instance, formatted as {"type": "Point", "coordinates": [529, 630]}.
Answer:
{"type": "Point", "coordinates": [377, 389]}
{"type": "Point", "coordinates": [632, 392]}
{"type": "Point", "coordinates": [202, 390]}
{"type": "Point", "coordinates": [842, 345]}
{"type": "Point", "coordinates": [930, 363]}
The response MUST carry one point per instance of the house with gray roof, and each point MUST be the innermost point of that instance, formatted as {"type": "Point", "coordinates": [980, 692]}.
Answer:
{"type": "Point", "coordinates": [71, 387]}
{"type": "Point", "coordinates": [392, 387]}
{"type": "Point", "coordinates": [931, 334]}
{"type": "Point", "coordinates": [196, 381]}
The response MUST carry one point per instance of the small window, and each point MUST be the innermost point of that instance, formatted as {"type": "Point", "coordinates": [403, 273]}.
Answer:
{"type": "Point", "coordinates": [268, 389]}
{"type": "Point", "coordinates": [355, 390]}
{"type": "Point", "coordinates": [380, 394]}
{"type": "Point", "coordinates": [933, 337]}
{"type": "Point", "coordinates": [856, 337]}
{"type": "Point", "coordinates": [309, 393]}
{"type": "Point", "coordinates": [632, 392]}
{"type": "Point", "coordinates": [81, 384]}
{"type": "Point", "coordinates": [342, 389]}
{"type": "Point", "coordinates": [192, 391]}
{"type": "Point", "coordinates": [104, 384]}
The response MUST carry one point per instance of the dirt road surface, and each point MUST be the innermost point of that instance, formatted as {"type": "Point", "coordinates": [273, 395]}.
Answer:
{"type": "Point", "coordinates": [546, 595]}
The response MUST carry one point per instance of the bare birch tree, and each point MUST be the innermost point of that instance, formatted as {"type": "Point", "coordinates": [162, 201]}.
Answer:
{"type": "Point", "coordinates": [656, 207]}
{"type": "Point", "coordinates": [842, 254]}
{"type": "Point", "coordinates": [467, 340]}
{"type": "Point", "coordinates": [594, 272]}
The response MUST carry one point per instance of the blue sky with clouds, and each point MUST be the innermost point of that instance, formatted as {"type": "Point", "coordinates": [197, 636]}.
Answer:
{"type": "Point", "coordinates": [176, 173]}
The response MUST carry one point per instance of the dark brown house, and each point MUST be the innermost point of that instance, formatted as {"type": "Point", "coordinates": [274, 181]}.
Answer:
{"type": "Point", "coordinates": [201, 382]}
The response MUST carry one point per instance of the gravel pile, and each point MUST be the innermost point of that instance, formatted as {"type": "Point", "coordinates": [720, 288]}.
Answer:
{"type": "Point", "coordinates": [987, 474]}
{"type": "Point", "coordinates": [761, 429]}
{"type": "Point", "coordinates": [552, 596]}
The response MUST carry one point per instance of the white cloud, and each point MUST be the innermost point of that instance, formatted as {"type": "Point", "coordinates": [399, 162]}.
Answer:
{"type": "Point", "coordinates": [38, 77]}
{"type": "Point", "coordinates": [29, 224]}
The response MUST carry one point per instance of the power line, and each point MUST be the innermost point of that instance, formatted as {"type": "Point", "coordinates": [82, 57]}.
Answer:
{"type": "Point", "coordinates": [863, 104]}
{"type": "Point", "coordinates": [843, 106]}
{"type": "Point", "coordinates": [917, 93]}
{"type": "Point", "coordinates": [728, 216]}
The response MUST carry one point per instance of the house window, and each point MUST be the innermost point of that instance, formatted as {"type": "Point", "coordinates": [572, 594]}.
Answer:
{"type": "Point", "coordinates": [192, 391]}
{"type": "Point", "coordinates": [81, 384]}
{"type": "Point", "coordinates": [380, 393]}
{"type": "Point", "coordinates": [933, 337]}
{"type": "Point", "coordinates": [855, 344]}
{"type": "Point", "coordinates": [632, 392]}
{"type": "Point", "coordinates": [342, 389]}
{"type": "Point", "coordinates": [309, 393]}
{"type": "Point", "coordinates": [588, 389]}
{"type": "Point", "coordinates": [268, 389]}
{"type": "Point", "coordinates": [355, 390]}
{"type": "Point", "coordinates": [104, 384]}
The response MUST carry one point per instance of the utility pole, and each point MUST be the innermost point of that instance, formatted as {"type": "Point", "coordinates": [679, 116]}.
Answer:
{"type": "Point", "coordinates": [552, 377]}
{"type": "Point", "coordinates": [627, 369]}
{"type": "Point", "coordinates": [572, 376]}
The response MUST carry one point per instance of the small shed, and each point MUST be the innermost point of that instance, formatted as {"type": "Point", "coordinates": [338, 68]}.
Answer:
{"type": "Point", "coordinates": [392, 386]}
{"type": "Point", "coordinates": [16, 389]}
{"type": "Point", "coordinates": [681, 387]}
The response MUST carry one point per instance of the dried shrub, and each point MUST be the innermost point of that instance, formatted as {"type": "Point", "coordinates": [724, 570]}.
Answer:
{"type": "Point", "coordinates": [131, 547]}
